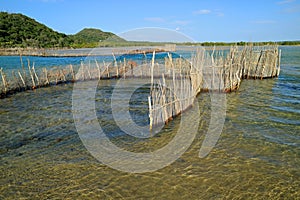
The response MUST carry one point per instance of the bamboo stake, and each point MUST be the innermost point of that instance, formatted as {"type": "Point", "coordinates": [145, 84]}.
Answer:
{"type": "Point", "coordinates": [164, 99]}
{"type": "Point", "coordinates": [124, 68]}
{"type": "Point", "coordinates": [230, 73]}
{"type": "Point", "coordinates": [212, 56]}
{"type": "Point", "coordinates": [115, 64]}
{"type": "Point", "coordinates": [152, 68]}
{"type": "Point", "coordinates": [150, 113]}
{"type": "Point", "coordinates": [82, 70]}
{"type": "Point", "coordinates": [88, 70]}
{"type": "Point", "coordinates": [99, 71]}
{"type": "Point", "coordinates": [15, 80]}
{"type": "Point", "coordinates": [279, 60]}
{"type": "Point", "coordinates": [258, 61]}
{"type": "Point", "coordinates": [72, 72]}
{"type": "Point", "coordinates": [63, 75]}
{"type": "Point", "coordinates": [22, 65]}
{"type": "Point", "coordinates": [57, 77]}
{"type": "Point", "coordinates": [118, 69]}
{"type": "Point", "coordinates": [107, 71]}
{"type": "Point", "coordinates": [31, 75]}
{"type": "Point", "coordinates": [20, 75]}
{"type": "Point", "coordinates": [5, 84]}
{"type": "Point", "coordinates": [36, 77]}
{"type": "Point", "coordinates": [46, 76]}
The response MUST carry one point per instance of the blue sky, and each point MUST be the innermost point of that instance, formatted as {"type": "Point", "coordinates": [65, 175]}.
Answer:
{"type": "Point", "coordinates": [202, 20]}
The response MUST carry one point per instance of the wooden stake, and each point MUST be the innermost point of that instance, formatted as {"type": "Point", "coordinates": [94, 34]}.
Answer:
{"type": "Point", "coordinates": [46, 76]}
{"type": "Point", "coordinates": [152, 68]}
{"type": "Point", "coordinates": [107, 71]}
{"type": "Point", "coordinates": [5, 84]}
{"type": "Point", "coordinates": [22, 65]}
{"type": "Point", "coordinates": [72, 72]}
{"type": "Point", "coordinates": [115, 64]}
{"type": "Point", "coordinates": [63, 75]}
{"type": "Point", "coordinates": [88, 70]}
{"type": "Point", "coordinates": [150, 113]}
{"type": "Point", "coordinates": [278, 68]}
{"type": "Point", "coordinates": [99, 70]}
{"type": "Point", "coordinates": [36, 77]}
{"type": "Point", "coordinates": [31, 75]}
{"type": "Point", "coordinates": [124, 68]}
{"type": "Point", "coordinates": [20, 75]}
{"type": "Point", "coordinates": [15, 80]}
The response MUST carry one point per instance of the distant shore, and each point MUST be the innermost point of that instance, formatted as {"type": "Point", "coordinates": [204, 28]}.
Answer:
{"type": "Point", "coordinates": [83, 52]}
{"type": "Point", "coordinates": [101, 51]}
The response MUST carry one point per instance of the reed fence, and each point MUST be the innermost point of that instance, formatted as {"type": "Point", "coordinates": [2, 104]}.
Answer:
{"type": "Point", "coordinates": [175, 82]}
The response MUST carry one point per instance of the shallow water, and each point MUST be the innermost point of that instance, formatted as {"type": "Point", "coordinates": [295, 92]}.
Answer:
{"type": "Point", "coordinates": [257, 155]}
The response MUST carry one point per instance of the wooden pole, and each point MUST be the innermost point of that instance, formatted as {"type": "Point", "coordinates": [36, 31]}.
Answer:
{"type": "Point", "coordinates": [82, 70]}
{"type": "Point", "coordinates": [36, 76]}
{"type": "Point", "coordinates": [31, 75]}
{"type": "Point", "coordinates": [5, 84]}
{"type": "Point", "coordinates": [257, 64]}
{"type": "Point", "coordinates": [152, 68]}
{"type": "Point", "coordinates": [22, 65]}
{"type": "Point", "coordinates": [212, 56]}
{"type": "Point", "coordinates": [72, 72]}
{"type": "Point", "coordinates": [20, 75]}
{"type": "Point", "coordinates": [63, 75]}
{"type": "Point", "coordinates": [124, 68]}
{"type": "Point", "coordinates": [230, 73]}
{"type": "Point", "coordinates": [279, 60]}
{"type": "Point", "coordinates": [88, 70]}
{"type": "Point", "coordinates": [164, 89]}
{"type": "Point", "coordinates": [115, 64]}
{"type": "Point", "coordinates": [107, 71]}
{"type": "Point", "coordinates": [13, 74]}
{"type": "Point", "coordinates": [99, 70]}
{"type": "Point", "coordinates": [150, 113]}
{"type": "Point", "coordinates": [46, 76]}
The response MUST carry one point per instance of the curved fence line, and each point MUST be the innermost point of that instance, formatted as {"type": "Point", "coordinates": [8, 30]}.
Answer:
{"type": "Point", "coordinates": [175, 82]}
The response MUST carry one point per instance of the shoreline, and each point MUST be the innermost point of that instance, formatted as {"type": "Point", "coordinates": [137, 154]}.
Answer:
{"type": "Point", "coordinates": [83, 52]}
{"type": "Point", "coordinates": [101, 51]}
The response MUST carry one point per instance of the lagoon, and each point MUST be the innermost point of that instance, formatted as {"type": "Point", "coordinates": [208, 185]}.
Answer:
{"type": "Point", "coordinates": [257, 155]}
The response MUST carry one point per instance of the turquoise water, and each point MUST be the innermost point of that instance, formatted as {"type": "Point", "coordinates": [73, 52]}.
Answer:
{"type": "Point", "coordinates": [10, 63]}
{"type": "Point", "coordinates": [256, 157]}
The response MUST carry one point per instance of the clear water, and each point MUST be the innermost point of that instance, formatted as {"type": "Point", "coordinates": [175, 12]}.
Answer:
{"type": "Point", "coordinates": [256, 157]}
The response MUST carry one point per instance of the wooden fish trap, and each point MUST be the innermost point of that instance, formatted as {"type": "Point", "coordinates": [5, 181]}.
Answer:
{"type": "Point", "coordinates": [175, 82]}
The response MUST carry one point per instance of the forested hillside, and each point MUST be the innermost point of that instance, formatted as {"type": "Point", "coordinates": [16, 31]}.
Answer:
{"type": "Point", "coordinates": [18, 30]}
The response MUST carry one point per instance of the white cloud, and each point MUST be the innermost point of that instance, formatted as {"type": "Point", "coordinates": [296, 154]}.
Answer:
{"type": "Point", "coordinates": [285, 2]}
{"type": "Point", "coordinates": [220, 14]}
{"type": "Point", "coordinates": [294, 9]}
{"type": "Point", "coordinates": [216, 12]}
{"type": "Point", "coordinates": [202, 12]}
{"type": "Point", "coordinates": [155, 35]}
{"type": "Point", "coordinates": [264, 22]}
{"type": "Point", "coordinates": [182, 22]}
{"type": "Point", "coordinates": [155, 19]}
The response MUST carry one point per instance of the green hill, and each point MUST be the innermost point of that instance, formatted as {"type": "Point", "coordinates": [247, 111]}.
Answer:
{"type": "Point", "coordinates": [92, 37]}
{"type": "Point", "coordinates": [18, 30]}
